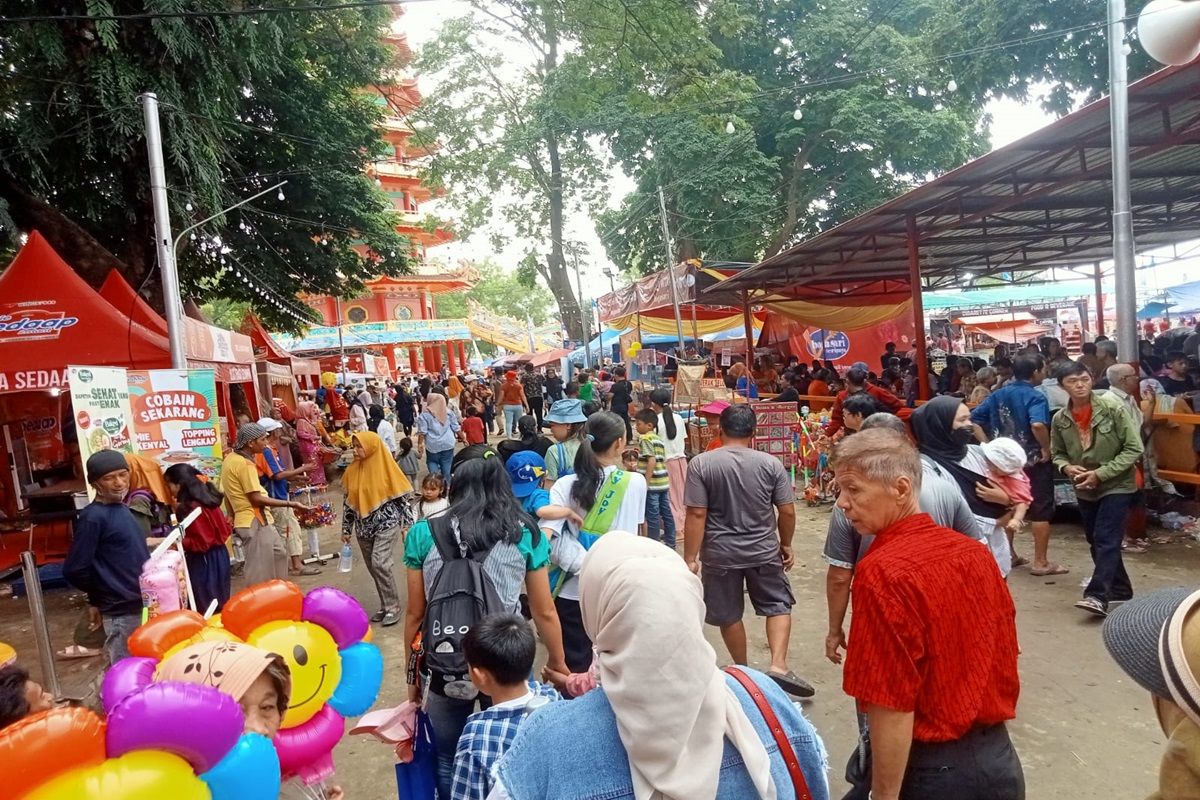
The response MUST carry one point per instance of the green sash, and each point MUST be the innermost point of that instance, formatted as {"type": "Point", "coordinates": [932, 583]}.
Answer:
{"type": "Point", "coordinates": [599, 520]}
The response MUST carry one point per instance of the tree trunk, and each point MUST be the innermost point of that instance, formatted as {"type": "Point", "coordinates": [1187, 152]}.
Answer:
{"type": "Point", "coordinates": [792, 216]}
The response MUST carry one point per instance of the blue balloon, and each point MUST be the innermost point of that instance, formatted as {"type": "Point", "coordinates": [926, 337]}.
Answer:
{"type": "Point", "coordinates": [250, 771]}
{"type": "Point", "coordinates": [362, 675]}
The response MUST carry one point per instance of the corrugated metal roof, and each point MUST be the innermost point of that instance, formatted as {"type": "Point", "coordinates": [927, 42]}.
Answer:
{"type": "Point", "coordinates": [1040, 202]}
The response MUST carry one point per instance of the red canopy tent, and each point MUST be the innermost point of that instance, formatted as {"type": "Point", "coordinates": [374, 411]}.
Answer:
{"type": "Point", "coordinates": [117, 291]}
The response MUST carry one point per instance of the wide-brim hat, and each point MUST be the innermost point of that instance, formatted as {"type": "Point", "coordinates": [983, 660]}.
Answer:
{"type": "Point", "coordinates": [565, 412]}
{"type": "Point", "coordinates": [1132, 632]}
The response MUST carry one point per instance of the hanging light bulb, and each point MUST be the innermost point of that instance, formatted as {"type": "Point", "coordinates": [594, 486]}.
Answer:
{"type": "Point", "coordinates": [797, 114]}
{"type": "Point", "coordinates": [729, 127]}
{"type": "Point", "coordinates": [279, 196]}
{"type": "Point", "coordinates": [324, 240]}
{"type": "Point", "coordinates": [1126, 49]}
{"type": "Point", "coordinates": [952, 86]}
{"type": "Point", "coordinates": [187, 207]}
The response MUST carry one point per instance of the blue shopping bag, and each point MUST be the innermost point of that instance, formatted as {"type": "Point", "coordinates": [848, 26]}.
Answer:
{"type": "Point", "coordinates": [417, 780]}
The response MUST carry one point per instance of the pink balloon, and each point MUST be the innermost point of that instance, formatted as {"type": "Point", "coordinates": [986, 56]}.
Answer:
{"type": "Point", "coordinates": [125, 677]}
{"type": "Point", "coordinates": [336, 612]}
{"type": "Point", "coordinates": [199, 724]}
{"type": "Point", "coordinates": [307, 750]}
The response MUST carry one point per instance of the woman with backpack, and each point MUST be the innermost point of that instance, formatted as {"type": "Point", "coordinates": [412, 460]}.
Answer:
{"type": "Point", "coordinates": [565, 419]}
{"type": "Point", "coordinates": [606, 498]}
{"type": "Point", "coordinates": [483, 545]}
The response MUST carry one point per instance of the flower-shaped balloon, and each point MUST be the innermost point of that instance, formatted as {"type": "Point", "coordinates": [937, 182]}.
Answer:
{"type": "Point", "coordinates": [324, 638]}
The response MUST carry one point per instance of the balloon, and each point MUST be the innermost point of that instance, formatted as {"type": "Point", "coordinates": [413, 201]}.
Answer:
{"type": "Point", "coordinates": [205, 634]}
{"type": "Point", "coordinates": [143, 775]}
{"type": "Point", "coordinates": [336, 612]}
{"type": "Point", "coordinates": [197, 723]}
{"type": "Point", "coordinates": [250, 771]}
{"type": "Point", "coordinates": [362, 675]}
{"type": "Point", "coordinates": [125, 677]}
{"type": "Point", "coordinates": [163, 632]}
{"type": "Point", "coordinates": [311, 655]}
{"type": "Point", "coordinates": [47, 744]}
{"type": "Point", "coordinates": [7, 654]}
{"type": "Point", "coordinates": [306, 750]}
{"type": "Point", "coordinates": [369, 635]}
{"type": "Point", "coordinates": [261, 603]}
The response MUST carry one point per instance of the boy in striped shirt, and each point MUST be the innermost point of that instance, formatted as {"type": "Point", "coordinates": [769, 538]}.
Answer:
{"type": "Point", "coordinates": [652, 462]}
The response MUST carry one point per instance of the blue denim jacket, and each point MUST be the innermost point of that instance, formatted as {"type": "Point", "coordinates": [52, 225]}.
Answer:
{"type": "Point", "coordinates": [572, 751]}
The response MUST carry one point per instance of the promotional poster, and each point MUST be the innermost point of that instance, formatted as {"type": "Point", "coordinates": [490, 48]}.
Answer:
{"type": "Point", "coordinates": [175, 417]}
{"type": "Point", "coordinates": [100, 399]}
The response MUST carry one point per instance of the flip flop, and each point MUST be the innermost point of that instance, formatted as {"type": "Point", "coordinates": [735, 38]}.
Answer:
{"type": "Point", "coordinates": [1053, 569]}
{"type": "Point", "coordinates": [78, 651]}
{"type": "Point", "coordinates": [792, 683]}
{"type": "Point", "coordinates": [305, 571]}
{"type": "Point", "coordinates": [1134, 547]}
{"type": "Point", "coordinates": [1019, 561]}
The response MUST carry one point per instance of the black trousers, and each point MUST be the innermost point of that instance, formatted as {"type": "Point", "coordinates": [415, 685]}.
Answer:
{"type": "Point", "coordinates": [982, 765]}
{"type": "Point", "coordinates": [535, 408]}
{"type": "Point", "coordinates": [576, 644]}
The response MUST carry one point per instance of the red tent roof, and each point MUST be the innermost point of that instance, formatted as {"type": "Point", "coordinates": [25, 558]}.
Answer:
{"type": "Point", "coordinates": [49, 318]}
{"type": "Point", "coordinates": [117, 291]}
{"type": "Point", "coordinates": [265, 347]}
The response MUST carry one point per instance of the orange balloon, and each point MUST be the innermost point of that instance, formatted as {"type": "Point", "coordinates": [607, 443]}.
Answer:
{"type": "Point", "coordinates": [262, 603]}
{"type": "Point", "coordinates": [160, 634]}
{"type": "Point", "coordinates": [47, 744]}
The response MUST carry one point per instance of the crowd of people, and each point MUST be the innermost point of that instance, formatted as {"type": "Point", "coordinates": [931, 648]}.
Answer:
{"type": "Point", "coordinates": [571, 519]}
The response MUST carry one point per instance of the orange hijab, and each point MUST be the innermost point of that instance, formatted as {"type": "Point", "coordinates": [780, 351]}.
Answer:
{"type": "Point", "coordinates": [375, 478]}
{"type": "Point", "coordinates": [144, 473]}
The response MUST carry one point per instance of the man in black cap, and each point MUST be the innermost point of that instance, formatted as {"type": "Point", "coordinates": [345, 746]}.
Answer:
{"type": "Point", "coordinates": [107, 552]}
{"type": "Point", "coordinates": [265, 551]}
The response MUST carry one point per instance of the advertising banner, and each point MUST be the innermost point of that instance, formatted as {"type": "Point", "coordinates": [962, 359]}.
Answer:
{"type": "Point", "coordinates": [844, 348]}
{"type": "Point", "coordinates": [175, 417]}
{"type": "Point", "coordinates": [103, 419]}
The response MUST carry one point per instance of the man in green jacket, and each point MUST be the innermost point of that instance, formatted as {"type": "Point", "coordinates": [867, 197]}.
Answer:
{"type": "Point", "coordinates": [1095, 442]}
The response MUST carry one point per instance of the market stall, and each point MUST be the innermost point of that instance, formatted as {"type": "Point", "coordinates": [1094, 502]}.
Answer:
{"type": "Point", "coordinates": [231, 357]}
{"type": "Point", "coordinates": [280, 374]}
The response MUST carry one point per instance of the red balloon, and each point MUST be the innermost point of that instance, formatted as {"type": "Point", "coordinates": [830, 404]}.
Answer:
{"type": "Point", "coordinates": [160, 634]}
{"type": "Point", "coordinates": [47, 744]}
{"type": "Point", "coordinates": [262, 603]}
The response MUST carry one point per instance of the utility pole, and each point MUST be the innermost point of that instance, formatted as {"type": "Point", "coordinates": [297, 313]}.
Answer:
{"type": "Point", "coordinates": [172, 307]}
{"type": "Point", "coordinates": [337, 309]}
{"type": "Point", "coordinates": [584, 319]}
{"type": "Point", "coordinates": [1124, 265]}
{"type": "Point", "coordinates": [662, 207]}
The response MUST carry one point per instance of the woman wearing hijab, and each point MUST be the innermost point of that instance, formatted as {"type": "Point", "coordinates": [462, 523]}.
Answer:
{"type": "Point", "coordinates": [377, 509]}
{"type": "Point", "coordinates": [438, 429]}
{"type": "Point", "coordinates": [148, 498]}
{"type": "Point", "coordinates": [358, 411]}
{"type": "Point", "coordinates": [946, 439]}
{"type": "Point", "coordinates": [664, 722]}
{"type": "Point", "coordinates": [454, 389]}
{"type": "Point", "coordinates": [308, 433]}
{"type": "Point", "coordinates": [529, 439]}
{"type": "Point", "coordinates": [378, 425]}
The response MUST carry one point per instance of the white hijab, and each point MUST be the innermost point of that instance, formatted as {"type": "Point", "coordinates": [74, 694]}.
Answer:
{"type": "Point", "coordinates": [644, 612]}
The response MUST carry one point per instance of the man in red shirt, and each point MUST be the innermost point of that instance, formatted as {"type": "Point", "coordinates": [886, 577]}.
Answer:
{"type": "Point", "coordinates": [932, 657]}
{"type": "Point", "coordinates": [856, 381]}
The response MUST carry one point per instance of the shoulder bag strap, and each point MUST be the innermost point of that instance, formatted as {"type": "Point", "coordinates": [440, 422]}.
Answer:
{"type": "Point", "coordinates": [603, 513]}
{"type": "Point", "coordinates": [442, 532]}
{"type": "Point", "coordinates": [781, 741]}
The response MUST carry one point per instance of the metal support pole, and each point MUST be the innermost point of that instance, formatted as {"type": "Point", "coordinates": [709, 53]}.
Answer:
{"type": "Point", "coordinates": [41, 630]}
{"type": "Point", "coordinates": [748, 324]}
{"type": "Point", "coordinates": [584, 319]}
{"type": "Point", "coordinates": [662, 207]}
{"type": "Point", "coordinates": [337, 310]}
{"type": "Point", "coordinates": [1124, 267]}
{"type": "Point", "coordinates": [918, 308]}
{"type": "Point", "coordinates": [172, 306]}
{"type": "Point", "coordinates": [1100, 331]}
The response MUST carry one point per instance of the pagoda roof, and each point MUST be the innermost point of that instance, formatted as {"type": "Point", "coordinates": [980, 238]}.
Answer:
{"type": "Point", "coordinates": [434, 284]}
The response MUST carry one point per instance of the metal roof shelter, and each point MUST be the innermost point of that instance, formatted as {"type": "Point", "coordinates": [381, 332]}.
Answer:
{"type": "Point", "coordinates": [1040, 202]}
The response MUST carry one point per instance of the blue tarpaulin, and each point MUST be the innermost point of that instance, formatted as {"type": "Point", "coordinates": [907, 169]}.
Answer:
{"type": "Point", "coordinates": [1185, 298]}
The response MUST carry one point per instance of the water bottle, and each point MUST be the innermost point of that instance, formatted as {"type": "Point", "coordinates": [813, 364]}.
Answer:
{"type": "Point", "coordinates": [346, 563]}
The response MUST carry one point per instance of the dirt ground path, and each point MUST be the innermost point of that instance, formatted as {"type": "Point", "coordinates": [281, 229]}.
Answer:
{"type": "Point", "coordinates": [1083, 730]}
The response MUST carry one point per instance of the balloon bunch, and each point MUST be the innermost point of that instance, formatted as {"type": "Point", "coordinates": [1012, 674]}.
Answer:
{"type": "Point", "coordinates": [144, 750]}
{"type": "Point", "coordinates": [324, 638]}
{"type": "Point", "coordinates": [634, 349]}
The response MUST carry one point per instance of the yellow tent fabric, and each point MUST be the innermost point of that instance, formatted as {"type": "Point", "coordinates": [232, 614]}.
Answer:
{"type": "Point", "coordinates": [666, 326]}
{"type": "Point", "coordinates": [842, 318]}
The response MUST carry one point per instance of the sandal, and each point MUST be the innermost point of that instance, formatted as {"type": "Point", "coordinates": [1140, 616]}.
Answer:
{"type": "Point", "coordinates": [792, 683]}
{"type": "Point", "coordinates": [1052, 569]}
{"type": "Point", "coordinates": [1134, 546]}
{"type": "Point", "coordinates": [378, 615]}
{"type": "Point", "coordinates": [1019, 561]}
{"type": "Point", "coordinates": [78, 651]}
{"type": "Point", "coordinates": [391, 619]}
{"type": "Point", "coordinates": [304, 571]}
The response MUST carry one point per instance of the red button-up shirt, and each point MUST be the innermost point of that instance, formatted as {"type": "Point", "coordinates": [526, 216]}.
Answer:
{"type": "Point", "coordinates": [933, 631]}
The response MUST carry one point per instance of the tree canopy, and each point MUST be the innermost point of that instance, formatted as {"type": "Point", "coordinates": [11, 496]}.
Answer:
{"type": "Point", "coordinates": [508, 294]}
{"type": "Point", "coordinates": [246, 102]}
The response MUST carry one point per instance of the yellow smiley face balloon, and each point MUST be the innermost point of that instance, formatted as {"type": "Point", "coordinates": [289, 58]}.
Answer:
{"type": "Point", "coordinates": [311, 655]}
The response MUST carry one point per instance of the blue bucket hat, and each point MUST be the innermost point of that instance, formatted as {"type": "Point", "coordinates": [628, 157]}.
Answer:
{"type": "Point", "coordinates": [526, 470]}
{"type": "Point", "coordinates": [565, 412]}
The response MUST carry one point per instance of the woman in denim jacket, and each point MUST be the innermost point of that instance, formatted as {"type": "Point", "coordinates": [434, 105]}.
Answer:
{"type": "Point", "coordinates": [664, 722]}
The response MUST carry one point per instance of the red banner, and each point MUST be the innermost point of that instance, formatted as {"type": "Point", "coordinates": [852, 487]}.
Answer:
{"type": "Point", "coordinates": [843, 348]}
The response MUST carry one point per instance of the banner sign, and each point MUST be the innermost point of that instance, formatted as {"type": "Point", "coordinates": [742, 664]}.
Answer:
{"type": "Point", "coordinates": [103, 419]}
{"type": "Point", "coordinates": [175, 417]}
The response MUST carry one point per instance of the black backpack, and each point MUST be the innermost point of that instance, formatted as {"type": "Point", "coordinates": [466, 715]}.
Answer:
{"type": "Point", "coordinates": [461, 595]}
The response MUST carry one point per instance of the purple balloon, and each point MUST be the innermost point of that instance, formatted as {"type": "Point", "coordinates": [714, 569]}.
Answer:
{"type": "Point", "coordinates": [127, 676]}
{"type": "Point", "coordinates": [336, 612]}
{"type": "Point", "coordinates": [307, 749]}
{"type": "Point", "coordinates": [199, 724]}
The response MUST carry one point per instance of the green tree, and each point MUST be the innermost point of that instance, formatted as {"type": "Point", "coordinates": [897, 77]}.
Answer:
{"type": "Point", "coordinates": [246, 101]}
{"type": "Point", "coordinates": [227, 314]}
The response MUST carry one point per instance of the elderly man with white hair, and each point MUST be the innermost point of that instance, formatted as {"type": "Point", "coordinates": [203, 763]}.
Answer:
{"type": "Point", "coordinates": [929, 604]}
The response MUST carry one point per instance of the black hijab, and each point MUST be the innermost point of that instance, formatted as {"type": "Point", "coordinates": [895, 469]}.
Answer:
{"type": "Point", "coordinates": [932, 425]}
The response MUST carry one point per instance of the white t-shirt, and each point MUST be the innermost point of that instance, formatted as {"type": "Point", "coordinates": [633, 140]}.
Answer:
{"type": "Point", "coordinates": [630, 515]}
{"type": "Point", "coordinates": [673, 447]}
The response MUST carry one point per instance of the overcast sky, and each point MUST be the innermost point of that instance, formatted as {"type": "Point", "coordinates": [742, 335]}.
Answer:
{"type": "Point", "coordinates": [1011, 121]}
